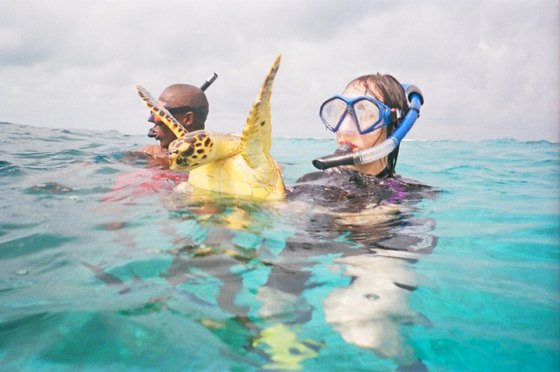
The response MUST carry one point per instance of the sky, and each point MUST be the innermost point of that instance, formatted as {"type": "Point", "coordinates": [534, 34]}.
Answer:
{"type": "Point", "coordinates": [487, 69]}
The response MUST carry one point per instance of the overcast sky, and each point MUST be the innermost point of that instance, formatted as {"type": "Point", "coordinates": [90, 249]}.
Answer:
{"type": "Point", "coordinates": [488, 69]}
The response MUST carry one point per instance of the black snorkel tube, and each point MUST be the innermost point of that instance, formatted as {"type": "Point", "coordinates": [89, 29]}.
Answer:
{"type": "Point", "coordinates": [208, 82]}
{"type": "Point", "coordinates": [372, 154]}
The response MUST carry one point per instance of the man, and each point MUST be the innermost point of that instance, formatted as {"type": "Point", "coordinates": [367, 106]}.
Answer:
{"type": "Point", "coordinates": [189, 105]}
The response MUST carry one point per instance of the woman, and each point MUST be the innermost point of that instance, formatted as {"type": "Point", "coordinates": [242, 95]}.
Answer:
{"type": "Point", "coordinates": [367, 113]}
{"type": "Point", "coordinates": [365, 216]}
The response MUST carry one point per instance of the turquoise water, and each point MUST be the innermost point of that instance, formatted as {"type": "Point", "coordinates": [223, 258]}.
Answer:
{"type": "Point", "coordinates": [104, 267]}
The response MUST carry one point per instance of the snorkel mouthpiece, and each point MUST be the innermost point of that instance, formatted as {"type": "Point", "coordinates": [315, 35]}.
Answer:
{"type": "Point", "coordinates": [372, 154]}
{"type": "Point", "coordinates": [342, 156]}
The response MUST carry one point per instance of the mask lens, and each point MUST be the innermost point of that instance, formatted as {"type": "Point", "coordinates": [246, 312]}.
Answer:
{"type": "Point", "coordinates": [367, 114]}
{"type": "Point", "coordinates": [332, 112]}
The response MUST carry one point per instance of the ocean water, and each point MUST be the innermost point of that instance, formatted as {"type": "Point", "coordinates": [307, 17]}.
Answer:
{"type": "Point", "coordinates": [103, 266]}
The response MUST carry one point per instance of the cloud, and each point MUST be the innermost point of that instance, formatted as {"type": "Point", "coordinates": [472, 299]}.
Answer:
{"type": "Point", "coordinates": [488, 69]}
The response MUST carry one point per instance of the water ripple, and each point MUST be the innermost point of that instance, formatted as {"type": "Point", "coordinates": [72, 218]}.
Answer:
{"type": "Point", "coordinates": [30, 244]}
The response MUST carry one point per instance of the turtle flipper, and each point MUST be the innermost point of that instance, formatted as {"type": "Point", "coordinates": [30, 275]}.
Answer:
{"type": "Point", "coordinates": [161, 112]}
{"type": "Point", "coordinates": [256, 138]}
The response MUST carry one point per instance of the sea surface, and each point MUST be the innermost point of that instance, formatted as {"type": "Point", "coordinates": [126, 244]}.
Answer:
{"type": "Point", "coordinates": [104, 266]}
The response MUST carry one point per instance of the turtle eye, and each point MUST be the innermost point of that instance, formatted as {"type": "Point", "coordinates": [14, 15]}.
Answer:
{"type": "Point", "coordinates": [182, 161]}
{"type": "Point", "coordinates": [188, 151]}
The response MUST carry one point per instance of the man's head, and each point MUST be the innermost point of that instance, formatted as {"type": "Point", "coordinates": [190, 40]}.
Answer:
{"type": "Point", "coordinates": [188, 104]}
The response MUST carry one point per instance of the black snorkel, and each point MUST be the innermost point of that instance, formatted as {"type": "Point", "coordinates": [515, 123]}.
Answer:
{"type": "Point", "coordinates": [209, 82]}
{"type": "Point", "coordinates": [343, 156]}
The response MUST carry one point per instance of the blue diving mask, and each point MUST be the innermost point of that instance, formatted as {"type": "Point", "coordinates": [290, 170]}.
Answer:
{"type": "Point", "coordinates": [369, 113]}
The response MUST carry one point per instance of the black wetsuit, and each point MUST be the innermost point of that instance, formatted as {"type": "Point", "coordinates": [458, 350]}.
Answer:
{"type": "Point", "coordinates": [334, 198]}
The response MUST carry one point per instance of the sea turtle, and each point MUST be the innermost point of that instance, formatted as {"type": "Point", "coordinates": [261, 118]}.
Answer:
{"type": "Point", "coordinates": [228, 163]}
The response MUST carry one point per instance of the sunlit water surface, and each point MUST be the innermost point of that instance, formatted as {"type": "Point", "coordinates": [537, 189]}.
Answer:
{"type": "Point", "coordinates": [104, 267]}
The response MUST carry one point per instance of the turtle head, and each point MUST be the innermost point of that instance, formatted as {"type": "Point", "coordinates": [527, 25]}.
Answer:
{"type": "Point", "coordinates": [190, 151]}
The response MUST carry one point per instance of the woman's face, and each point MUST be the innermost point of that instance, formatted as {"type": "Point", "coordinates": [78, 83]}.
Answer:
{"type": "Point", "coordinates": [348, 134]}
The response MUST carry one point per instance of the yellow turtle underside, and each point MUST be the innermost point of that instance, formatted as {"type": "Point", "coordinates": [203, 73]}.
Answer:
{"type": "Point", "coordinates": [234, 176]}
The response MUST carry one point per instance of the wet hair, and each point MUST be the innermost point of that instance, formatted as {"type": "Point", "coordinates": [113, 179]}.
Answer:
{"type": "Point", "coordinates": [389, 91]}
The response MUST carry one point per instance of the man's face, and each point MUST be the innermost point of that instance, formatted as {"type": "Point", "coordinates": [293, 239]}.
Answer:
{"type": "Point", "coordinates": [161, 132]}
{"type": "Point", "coordinates": [180, 98]}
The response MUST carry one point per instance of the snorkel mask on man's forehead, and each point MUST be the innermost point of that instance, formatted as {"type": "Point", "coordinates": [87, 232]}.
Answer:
{"type": "Point", "coordinates": [183, 109]}
{"type": "Point", "coordinates": [368, 115]}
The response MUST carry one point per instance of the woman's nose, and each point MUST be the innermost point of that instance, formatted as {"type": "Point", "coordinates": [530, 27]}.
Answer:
{"type": "Point", "coordinates": [348, 124]}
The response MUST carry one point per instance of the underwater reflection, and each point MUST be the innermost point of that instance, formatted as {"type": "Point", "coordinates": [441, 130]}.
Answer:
{"type": "Point", "coordinates": [273, 280]}
{"type": "Point", "coordinates": [370, 226]}
{"type": "Point", "coordinates": [370, 311]}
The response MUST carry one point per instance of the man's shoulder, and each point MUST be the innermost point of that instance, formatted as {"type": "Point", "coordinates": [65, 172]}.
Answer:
{"type": "Point", "coordinates": [154, 150]}
{"type": "Point", "coordinates": [155, 155]}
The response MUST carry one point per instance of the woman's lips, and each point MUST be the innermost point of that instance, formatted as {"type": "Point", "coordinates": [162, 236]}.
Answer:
{"type": "Point", "coordinates": [348, 145]}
